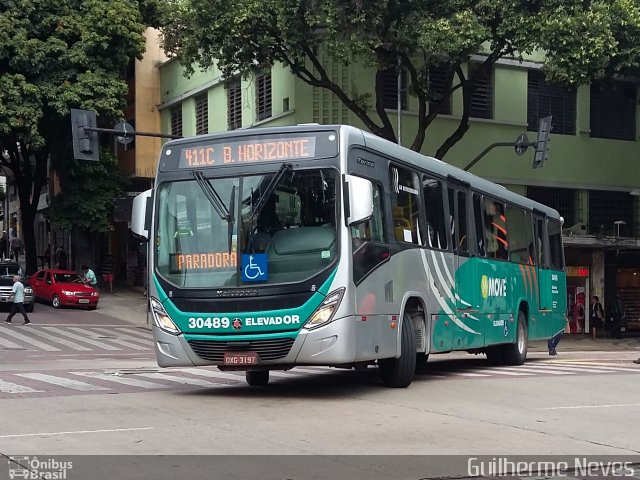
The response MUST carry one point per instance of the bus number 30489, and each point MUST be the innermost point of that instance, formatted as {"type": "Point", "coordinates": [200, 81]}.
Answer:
{"type": "Point", "coordinates": [209, 322]}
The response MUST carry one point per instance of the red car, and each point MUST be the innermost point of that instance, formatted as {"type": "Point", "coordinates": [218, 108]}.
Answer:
{"type": "Point", "coordinates": [63, 288]}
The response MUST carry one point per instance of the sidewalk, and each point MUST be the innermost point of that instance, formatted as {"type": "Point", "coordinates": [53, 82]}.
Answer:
{"type": "Point", "coordinates": [579, 342]}
{"type": "Point", "coordinates": [127, 304]}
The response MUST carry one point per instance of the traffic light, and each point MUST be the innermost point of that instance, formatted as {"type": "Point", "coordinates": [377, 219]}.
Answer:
{"type": "Point", "coordinates": [542, 145]}
{"type": "Point", "coordinates": [85, 143]}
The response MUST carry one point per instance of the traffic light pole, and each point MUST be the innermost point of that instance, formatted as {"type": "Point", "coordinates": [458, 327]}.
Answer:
{"type": "Point", "coordinates": [498, 144]}
{"type": "Point", "coordinates": [122, 133]}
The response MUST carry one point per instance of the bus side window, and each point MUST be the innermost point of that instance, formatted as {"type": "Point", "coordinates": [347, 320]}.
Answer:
{"type": "Point", "coordinates": [461, 215]}
{"type": "Point", "coordinates": [405, 204]}
{"type": "Point", "coordinates": [479, 229]}
{"type": "Point", "coordinates": [370, 230]}
{"type": "Point", "coordinates": [434, 207]}
{"type": "Point", "coordinates": [496, 229]}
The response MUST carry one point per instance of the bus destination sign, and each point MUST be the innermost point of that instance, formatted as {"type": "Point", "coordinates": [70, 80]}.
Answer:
{"type": "Point", "coordinates": [260, 149]}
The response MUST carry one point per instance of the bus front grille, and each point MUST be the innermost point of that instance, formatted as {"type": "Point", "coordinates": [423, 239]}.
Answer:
{"type": "Point", "coordinates": [247, 304]}
{"type": "Point", "coordinates": [213, 351]}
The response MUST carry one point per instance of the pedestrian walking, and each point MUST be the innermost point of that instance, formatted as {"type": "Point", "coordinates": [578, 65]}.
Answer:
{"type": "Point", "coordinates": [17, 293]}
{"type": "Point", "coordinates": [4, 245]}
{"type": "Point", "coordinates": [107, 272]}
{"type": "Point", "coordinates": [618, 317]}
{"type": "Point", "coordinates": [16, 247]}
{"type": "Point", "coordinates": [597, 316]}
{"type": "Point", "coordinates": [89, 276]}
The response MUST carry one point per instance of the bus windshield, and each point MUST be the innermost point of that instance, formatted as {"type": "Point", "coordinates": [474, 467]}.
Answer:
{"type": "Point", "coordinates": [205, 225]}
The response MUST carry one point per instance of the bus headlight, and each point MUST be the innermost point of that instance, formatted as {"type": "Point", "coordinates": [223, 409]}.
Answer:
{"type": "Point", "coordinates": [324, 313]}
{"type": "Point", "coordinates": [161, 318]}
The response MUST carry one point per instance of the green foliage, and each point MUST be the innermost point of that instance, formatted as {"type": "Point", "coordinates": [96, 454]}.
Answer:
{"type": "Point", "coordinates": [88, 191]}
{"type": "Point", "coordinates": [582, 41]}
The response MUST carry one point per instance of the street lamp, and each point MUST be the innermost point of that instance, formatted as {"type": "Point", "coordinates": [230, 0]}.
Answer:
{"type": "Point", "coordinates": [617, 224]}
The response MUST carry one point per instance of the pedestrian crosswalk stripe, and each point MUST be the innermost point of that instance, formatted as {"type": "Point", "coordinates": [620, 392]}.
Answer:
{"type": "Point", "coordinates": [146, 342]}
{"type": "Point", "coordinates": [113, 340]}
{"type": "Point", "coordinates": [612, 368]}
{"type": "Point", "coordinates": [81, 338]}
{"type": "Point", "coordinates": [138, 332]}
{"type": "Point", "coordinates": [576, 369]}
{"type": "Point", "coordinates": [124, 380]}
{"type": "Point", "coordinates": [7, 343]}
{"type": "Point", "coordinates": [181, 380]}
{"type": "Point", "coordinates": [214, 374]}
{"type": "Point", "coordinates": [61, 341]}
{"type": "Point", "coordinates": [30, 341]}
{"type": "Point", "coordinates": [470, 374]}
{"type": "Point", "coordinates": [8, 387]}
{"type": "Point", "coordinates": [534, 370]}
{"type": "Point", "coordinates": [501, 372]}
{"type": "Point", "coordinates": [62, 382]}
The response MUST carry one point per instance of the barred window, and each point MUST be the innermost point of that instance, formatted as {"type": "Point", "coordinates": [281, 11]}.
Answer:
{"type": "Point", "coordinates": [263, 96]}
{"type": "Point", "coordinates": [389, 79]}
{"type": "Point", "coordinates": [544, 99]}
{"type": "Point", "coordinates": [176, 120]}
{"type": "Point", "coordinates": [234, 104]}
{"type": "Point", "coordinates": [613, 110]}
{"type": "Point", "coordinates": [439, 87]}
{"type": "Point", "coordinates": [561, 199]}
{"type": "Point", "coordinates": [202, 114]}
{"type": "Point", "coordinates": [482, 95]}
{"type": "Point", "coordinates": [607, 208]}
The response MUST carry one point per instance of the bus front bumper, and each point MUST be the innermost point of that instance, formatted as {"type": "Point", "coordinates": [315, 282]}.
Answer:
{"type": "Point", "coordinates": [332, 344]}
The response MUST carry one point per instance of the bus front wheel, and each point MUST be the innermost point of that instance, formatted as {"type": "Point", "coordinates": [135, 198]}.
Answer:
{"type": "Point", "coordinates": [516, 353]}
{"type": "Point", "coordinates": [399, 372]}
{"type": "Point", "coordinates": [257, 378]}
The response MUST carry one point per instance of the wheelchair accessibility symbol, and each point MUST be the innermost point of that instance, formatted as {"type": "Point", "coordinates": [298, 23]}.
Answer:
{"type": "Point", "coordinates": [254, 267]}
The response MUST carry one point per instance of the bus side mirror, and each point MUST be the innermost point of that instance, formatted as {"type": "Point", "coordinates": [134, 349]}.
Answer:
{"type": "Point", "coordinates": [360, 193]}
{"type": "Point", "coordinates": [141, 214]}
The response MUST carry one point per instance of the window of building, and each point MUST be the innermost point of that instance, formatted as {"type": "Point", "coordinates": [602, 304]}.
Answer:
{"type": "Point", "coordinates": [436, 234]}
{"type": "Point", "coordinates": [405, 201]}
{"type": "Point", "coordinates": [389, 79]}
{"type": "Point", "coordinates": [263, 96]}
{"type": "Point", "coordinates": [606, 208]}
{"type": "Point", "coordinates": [521, 245]}
{"type": "Point", "coordinates": [482, 95]}
{"type": "Point", "coordinates": [561, 199]}
{"type": "Point", "coordinates": [439, 87]}
{"type": "Point", "coordinates": [495, 225]}
{"type": "Point", "coordinates": [544, 99]}
{"type": "Point", "coordinates": [176, 120]}
{"type": "Point", "coordinates": [234, 104]}
{"type": "Point", "coordinates": [202, 114]}
{"type": "Point", "coordinates": [613, 110]}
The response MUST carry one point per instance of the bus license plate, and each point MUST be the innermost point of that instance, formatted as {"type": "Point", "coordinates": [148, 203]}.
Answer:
{"type": "Point", "coordinates": [83, 300]}
{"type": "Point", "coordinates": [240, 358]}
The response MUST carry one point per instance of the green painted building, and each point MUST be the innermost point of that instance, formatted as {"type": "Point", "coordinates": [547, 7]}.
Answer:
{"type": "Point", "coordinates": [591, 176]}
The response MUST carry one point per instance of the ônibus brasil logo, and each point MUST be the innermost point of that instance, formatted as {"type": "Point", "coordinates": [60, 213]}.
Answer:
{"type": "Point", "coordinates": [493, 287]}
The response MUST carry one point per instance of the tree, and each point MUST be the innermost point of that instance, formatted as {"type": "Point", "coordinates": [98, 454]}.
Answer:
{"type": "Point", "coordinates": [99, 181]}
{"type": "Point", "coordinates": [56, 55]}
{"type": "Point", "coordinates": [582, 40]}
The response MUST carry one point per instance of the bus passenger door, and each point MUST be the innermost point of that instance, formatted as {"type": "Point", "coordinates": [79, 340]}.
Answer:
{"type": "Point", "coordinates": [545, 296]}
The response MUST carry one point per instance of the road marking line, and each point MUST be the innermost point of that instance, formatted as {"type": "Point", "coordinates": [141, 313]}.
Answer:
{"type": "Point", "coordinates": [8, 387]}
{"type": "Point", "coordinates": [535, 370]}
{"type": "Point", "coordinates": [181, 380]}
{"type": "Point", "coordinates": [32, 341]}
{"type": "Point", "coordinates": [137, 332]}
{"type": "Point", "coordinates": [9, 344]}
{"type": "Point", "coordinates": [611, 368]}
{"type": "Point", "coordinates": [61, 341]}
{"type": "Point", "coordinates": [576, 407]}
{"type": "Point", "coordinates": [112, 340]}
{"type": "Point", "coordinates": [231, 376]}
{"type": "Point", "coordinates": [81, 338]}
{"type": "Point", "coordinates": [579, 369]}
{"type": "Point", "coordinates": [146, 342]}
{"type": "Point", "coordinates": [62, 382]}
{"type": "Point", "coordinates": [499, 372]}
{"type": "Point", "coordinates": [134, 382]}
{"type": "Point", "coordinates": [48, 434]}
{"type": "Point", "coordinates": [468, 374]}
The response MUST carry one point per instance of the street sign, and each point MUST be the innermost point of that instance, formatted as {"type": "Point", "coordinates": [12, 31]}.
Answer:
{"type": "Point", "coordinates": [542, 145]}
{"type": "Point", "coordinates": [127, 135]}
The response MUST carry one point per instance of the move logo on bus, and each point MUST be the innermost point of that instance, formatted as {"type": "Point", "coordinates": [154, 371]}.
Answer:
{"type": "Point", "coordinates": [493, 287]}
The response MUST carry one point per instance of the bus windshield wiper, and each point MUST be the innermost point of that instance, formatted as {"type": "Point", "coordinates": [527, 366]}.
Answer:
{"type": "Point", "coordinates": [213, 197]}
{"type": "Point", "coordinates": [262, 201]}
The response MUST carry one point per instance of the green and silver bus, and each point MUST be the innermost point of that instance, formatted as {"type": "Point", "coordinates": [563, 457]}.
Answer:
{"type": "Point", "coordinates": [326, 245]}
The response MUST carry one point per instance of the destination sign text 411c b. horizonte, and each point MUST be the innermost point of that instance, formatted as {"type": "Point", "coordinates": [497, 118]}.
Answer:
{"type": "Point", "coordinates": [255, 150]}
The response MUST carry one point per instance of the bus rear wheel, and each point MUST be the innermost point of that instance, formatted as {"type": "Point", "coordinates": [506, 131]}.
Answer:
{"type": "Point", "coordinates": [399, 372]}
{"type": "Point", "coordinates": [257, 378]}
{"type": "Point", "coordinates": [516, 353]}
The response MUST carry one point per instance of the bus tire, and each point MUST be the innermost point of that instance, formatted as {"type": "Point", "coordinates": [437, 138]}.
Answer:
{"type": "Point", "coordinates": [399, 372]}
{"type": "Point", "coordinates": [257, 378]}
{"type": "Point", "coordinates": [516, 353]}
